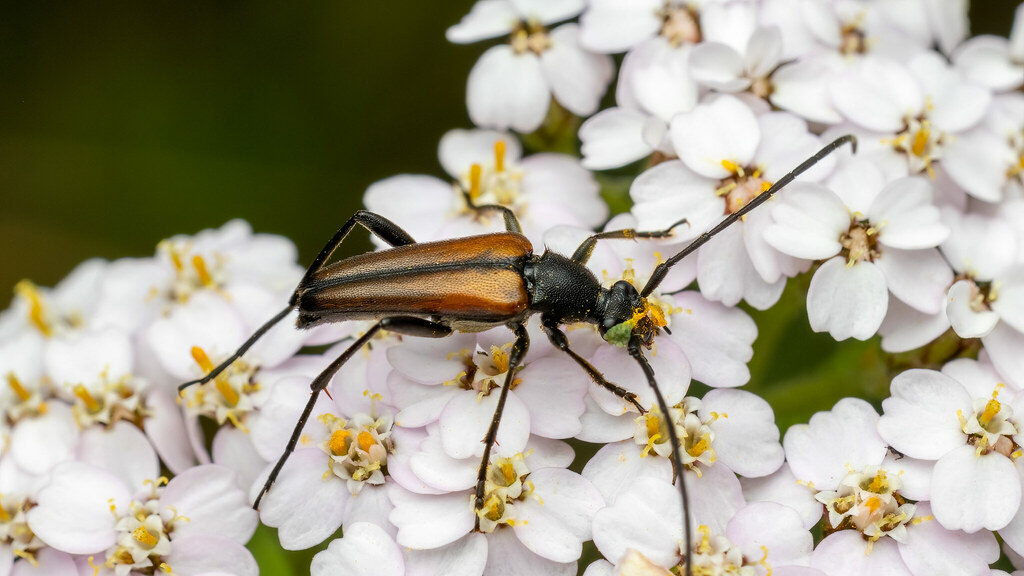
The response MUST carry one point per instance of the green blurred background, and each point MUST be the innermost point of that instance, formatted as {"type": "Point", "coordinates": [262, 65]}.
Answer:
{"type": "Point", "coordinates": [123, 122]}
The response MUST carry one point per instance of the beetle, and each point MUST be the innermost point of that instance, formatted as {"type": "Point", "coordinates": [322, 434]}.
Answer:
{"type": "Point", "coordinates": [475, 283]}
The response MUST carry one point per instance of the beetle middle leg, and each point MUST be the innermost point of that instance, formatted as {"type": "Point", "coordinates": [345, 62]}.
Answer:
{"type": "Point", "coordinates": [409, 326]}
{"type": "Point", "coordinates": [511, 222]}
{"type": "Point", "coordinates": [378, 225]}
{"type": "Point", "coordinates": [559, 340]}
{"type": "Point", "coordinates": [515, 357]}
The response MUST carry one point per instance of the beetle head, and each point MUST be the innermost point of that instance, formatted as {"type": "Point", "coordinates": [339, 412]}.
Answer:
{"type": "Point", "coordinates": [627, 314]}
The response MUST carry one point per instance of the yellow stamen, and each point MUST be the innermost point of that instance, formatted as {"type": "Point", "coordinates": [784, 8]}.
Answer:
{"type": "Point", "coordinates": [15, 385]}
{"type": "Point", "coordinates": [36, 312]}
{"type": "Point", "coordinates": [204, 273]}
{"type": "Point", "coordinates": [229, 394]}
{"type": "Point", "coordinates": [765, 186]}
{"type": "Point", "coordinates": [145, 537]}
{"type": "Point", "coordinates": [700, 447]}
{"type": "Point", "coordinates": [365, 440]}
{"type": "Point", "coordinates": [339, 441]}
{"type": "Point", "coordinates": [653, 424]}
{"type": "Point", "coordinates": [873, 504]}
{"type": "Point", "coordinates": [474, 180]}
{"type": "Point", "coordinates": [704, 544]}
{"type": "Point", "coordinates": [992, 407]}
{"type": "Point", "coordinates": [920, 141]}
{"type": "Point", "coordinates": [166, 568]}
{"type": "Point", "coordinates": [199, 355]}
{"type": "Point", "coordinates": [879, 483]}
{"type": "Point", "coordinates": [5, 516]}
{"type": "Point", "coordinates": [90, 403]}
{"type": "Point", "coordinates": [27, 556]}
{"type": "Point", "coordinates": [95, 568]}
{"type": "Point", "coordinates": [499, 156]}
{"type": "Point", "coordinates": [176, 260]}
{"type": "Point", "coordinates": [733, 167]}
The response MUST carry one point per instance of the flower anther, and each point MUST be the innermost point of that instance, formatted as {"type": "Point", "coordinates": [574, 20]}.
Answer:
{"type": "Point", "coordinates": [741, 186]}
{"type": "Point", "coordinates": [694, 433]}
{"type": "Point", "coordinates": [192, 272]}
{"type": "Point", "coordinates": [680, 24]}
{"type": "Point", "coordinates": [989, 428]}
{"type": "Point", "coordinates": [868, 501]}
{"type": "Point", "coordinates": [144, 534]}
{"type": "Point", "coordinates": [357, 449]}
{"type": "Point", "coordinates": [230, 397]}
{"type": "Point", "coordinates": [14, 529]}
{"type": "Point", "coordinates": [498, 184]}
{"type": "Point", "coordinates": [505, 484]}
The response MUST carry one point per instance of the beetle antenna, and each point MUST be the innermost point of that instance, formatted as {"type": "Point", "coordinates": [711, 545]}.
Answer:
{"type": "Point", "coordinates": [241, 349]}
{"type": "Point", "coordinates": [663, 268]}
{"type": "Point", "coordinates": [638, 354]}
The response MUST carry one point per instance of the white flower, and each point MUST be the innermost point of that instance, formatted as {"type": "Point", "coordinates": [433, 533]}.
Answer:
{"type": "Point", "coordinates": [992, 61]}
{"type": "Point", "coordinates": [64, 309]}
{"type": "Point", "coordinates": [988, 161]}
{"type": "Point", "coordinates": [871, 246]}
{"type": "Point", "coordinates": [366, 550]}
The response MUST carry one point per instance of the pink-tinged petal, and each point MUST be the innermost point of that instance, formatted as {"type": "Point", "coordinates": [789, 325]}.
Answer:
{"type": "Point", "coordinates": [430, 361]}
{"type": "Point", "coordinates": [416, 203]}
{"type": "Point", "coordinates": [7, 560]}
{"type": "Point", "coordinates": [962, 317]}
{"type": "Point", "coordinates": [821, 450]}
{"type": "Point", "coordinates": [877, 93]}
{"type": "Point", "coordinates": [917, 277]}
{"type": "Point", "coordinates": [746, 437]}
{"type": "Point", "coordinates": [726, 274]}
{"type": "Point", "coordinates": [1004, 345]}
{"type": "Point", "coordinates": [612, 26]}
{"type": "Point", "coordinates": [200, 554]}
{"type": "Point", "coordinates": [801, 87]}
{"type": "Point", "coordinates": [670, 191]}
{"type": "Point", "coordinates": [48, 562]}
{"type": "Point", "coordinates": [577, 78]}
{"type": "Point", "coordinates": [507, 90]}
{"type": "Point", "coordinates": [602, 427]}
{"type": "Point", "coordinates": [372, 506]}
{"type": "Point", "coordinates": [559, 181]}
{"type": "Point", "coordinates": [782, 487]}
{"type": "Point", "coordinates": [787, 542]}
{"type": "Point", "coordinates": [419, 405]}
{"type": "Point", "coordinates": [646, 518]}
{"type": "Point", "coordinates": [931, 549]}
{"type": "Point", "coordinates": [460, 149]}
{"type": "Point", "coordinates": [166, 430]}
{"type": "Point", "coordinates": [38, 444]}
{"type": "Point", "coordinates": [916, 475]}
{"type": "Point", "coordinates": [1010, 302]}
{"type": "Point", "coordinates": [73, 512]}
{"type": "Point", "coordinates": [122, 450]}
{"type": "Point", "coordinates": [971, 492]}
{"type": "Point", "coordinates": [715, 497]}
{"type": "Point", "coordinates": [847, 301]}
{"type": "Point", "coordinates": [920, 417]}
{"type": "Point", "coordinates": [844, 553]}
{"type": "Point", "coordinates": [724, 129]}
{"type": "Point", "coordinates": [466, 418]}
{"type": "Point", "coordinates": [407, 444]}
{"type": "Point", "coordinates": [718, 66]}
{"type": "Point", "coordinates": [557, 522]}
{"type": "Point", "coordinates": [671, 370]}
{"type": "Point", "coordinates": [904, 328]}
{"type": "Point", "coordinates": [507, 556]}
{"type": "Point", "coordinates": [548, 11]}
{"type": "Point", "coordinates": [717, 339]}
{"type": "Point", "coordinates": [613, 137]}
{"type": "Point", "coordinates": [466, 556]}
{"type": "Point", "coordinates": [486, 19]}
{"type": "Point", "coordinates": [213, 501]}
{"type": "Point", "coordinates": [618, 466]}
{"type": "Point", "coordinates": [809, 220]}
{"type": "Point", "coordinates": [658, 74]}
{"type": "Point", "coordinates": [365, 550]}
{"type": "Point", "coordinates": [303, 506]}
{"type": "Point", "coordinates": [430, 521]}
{"type": "Point", "coordinates": [552, 390]}
{"type": "Point", "coordinates": [233, 449]}
{"type": "Point", "coordinates": [978, 161]}
{"type": "Point", "coordinates": [907, 218]}
{"type": "Point", "coordinates": [207, 321]}
{"type": "Point", "coordinates": [270, 429]}
{"type": "Point", "coordinates": [83, 358]}
{"type": "Point", "coordinates": [440, 471]}
{"type": "Point", "coordinates": [1013, 533]}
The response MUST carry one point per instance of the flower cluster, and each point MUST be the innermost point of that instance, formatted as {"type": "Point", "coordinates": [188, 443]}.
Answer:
{"type": "Point", "coordinates": [916, 237]}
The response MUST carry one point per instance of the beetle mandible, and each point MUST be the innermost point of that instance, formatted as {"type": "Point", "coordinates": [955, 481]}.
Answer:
{"type": "Point", "coordinates": [470, 284]}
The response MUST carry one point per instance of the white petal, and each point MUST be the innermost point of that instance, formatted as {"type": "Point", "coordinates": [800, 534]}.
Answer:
{"type": "Point", "coordinates": [460, 149]}
{"type": "Point", "coordinates": [821, 450]}
{"type": "Point", "coordinates": [232, 448]}
{"type": "Point", "coordinates": [1013, 533]}
{"type": "Point", "coordinates": [931, 549]}
{"type": "Point", "coordinates": [656, 75]}
{"type": "Point", "coordinates": [618, 466]}
{"type": "Point", "coordinates": [847, 301]}
{"type": "Point", "coordinates": [82, 359]}
{"type": "Point", "coordinates": [916, 475]}
{"type": "Point", "coordinates": [857, 180]}
{"type": "Point", "coordinates": [199, 554]}
{"type": "Point", "coordinates": [416, 203]}
{"type": "Point", "coordinates": [465, 420]}
{"type": "Point", "coordinates": [73, 511]}
{"type": "Point", "coordinates": [764, 51]}
{"type": "Point", "coordinates": [207, 321]}
{"type": "Point", "coordinates": [270, 431]}
{"type": "Point", "coordinates": [717, 339]}
{"type": "Point", "coordinates": [486, 19]}
{"type": "Point", "coordinates": [577, 78]}
{"type": "Point", "coordinates": [601, 427]}
{"type": "Point", "coordinates": [464, 557]}
{"type": "Point", "coordinates": [365, 550]}
{"type": "Point", "coordinates": [906, 215]}
{"type": "Point", "coordinates": [557, 522]}
{"type": "Point", "coordinates": [426, 521]}
{"type": "Point", "coordinates": [507, 90]}
{"type": "Point", "coordinates": [612, 26]}
{"type": "Point", "coordinates": [809, 220]}
{"type": "Point", "coordinates": [1004, 345]}
{"type": "Point", "coordinates": [948, 19]}
{"type": "Point", "coordinates": [646, 518]}
{"type": "Point", "coordinates": [956, 105]}
{"type": "Point", "coordinates": [788, 542]}
{"type": "Point", "coordinates": [671, 369]}
{"type": "Point", "coordinates": [718, 66]}
{"type": "Point", "coordinates": [507, 556]}
{"type": "Point", "coordinates": [801, 87]}
{"type": "Point", "coordinates": [1009, 303]}
{"type": "Point", "coordinates": [213, 501]}
{"type": "Point", "coordinates": [844, 553]}
{"type": "Point", "coordinates": [971, 492]}
{"type": "Point", "coordinates": [746, 438]}
{"type": "Point", "coordinates": [552, 390]}
{"type": "Point", "coordinates": [979, 244]}
{"type": "Point", "coordinates": [985, 60]}
{"type": "Point", "coordinates": [613, 137]}
{"type": "Point", "coordinates": [715, 497]}
{"type": "Point", "coordinates": [548, 11]}
{"type": "Point", "coordinates": [431, 361]}
{"type": "Point", "coordinates": [304, 507]}
{"type": "Point", "coordinates": [978, 161]}
{"type": "Point", "coordinates": [917, 277]}
{"type": "Point", "coordinates": [920, 419]}
{"type": "Point", "coordinates": [905, 329]}
{"type": "Point", "coordinates": [47, 562]}
{"type": "Point", "coordinates": [166, 429]}
{"type": "Point", "coordinates": [965, 321]}
{"type": "Point", "coordinates": [877, 94]}
{"type": "Point", "coordinates": [724, 129]}
{"type": "Point", "coordinates": [122, 450]}
{"type": "Point", "coordinates": [439, 470]}
{"type": "Point", "coordinates": [664, 194]}
{"type": "Point", "coordinates": [726, 274]}
{"type": "Point", "coordinates": [553, 181]}
{"type": "Point", "coordinates": [782, 487]}
{"type": "Point", "coordinates": [38, 444]}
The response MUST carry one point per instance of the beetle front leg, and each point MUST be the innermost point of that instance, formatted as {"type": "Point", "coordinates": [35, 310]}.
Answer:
{"type": "Point", "coordinates": [515, 358]}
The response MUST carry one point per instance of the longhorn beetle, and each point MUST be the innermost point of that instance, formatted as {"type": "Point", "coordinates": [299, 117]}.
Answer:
{"type": "Point", "coordinates": [474, 283]}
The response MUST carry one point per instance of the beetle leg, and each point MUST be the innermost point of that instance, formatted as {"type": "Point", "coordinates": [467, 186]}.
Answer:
{"type": "Point", "coordinates": [515, 357]}
{"type": "Point", "coordinates": [558, 338]}
{"type": "Point", "coordinates": [511, 222]}
{"type": "Point", "coordinates": [412, 326]}
{"type": "Point", "coordinates": [582, 254]}
{"type": "Point", "coordinates": [636, 351]}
